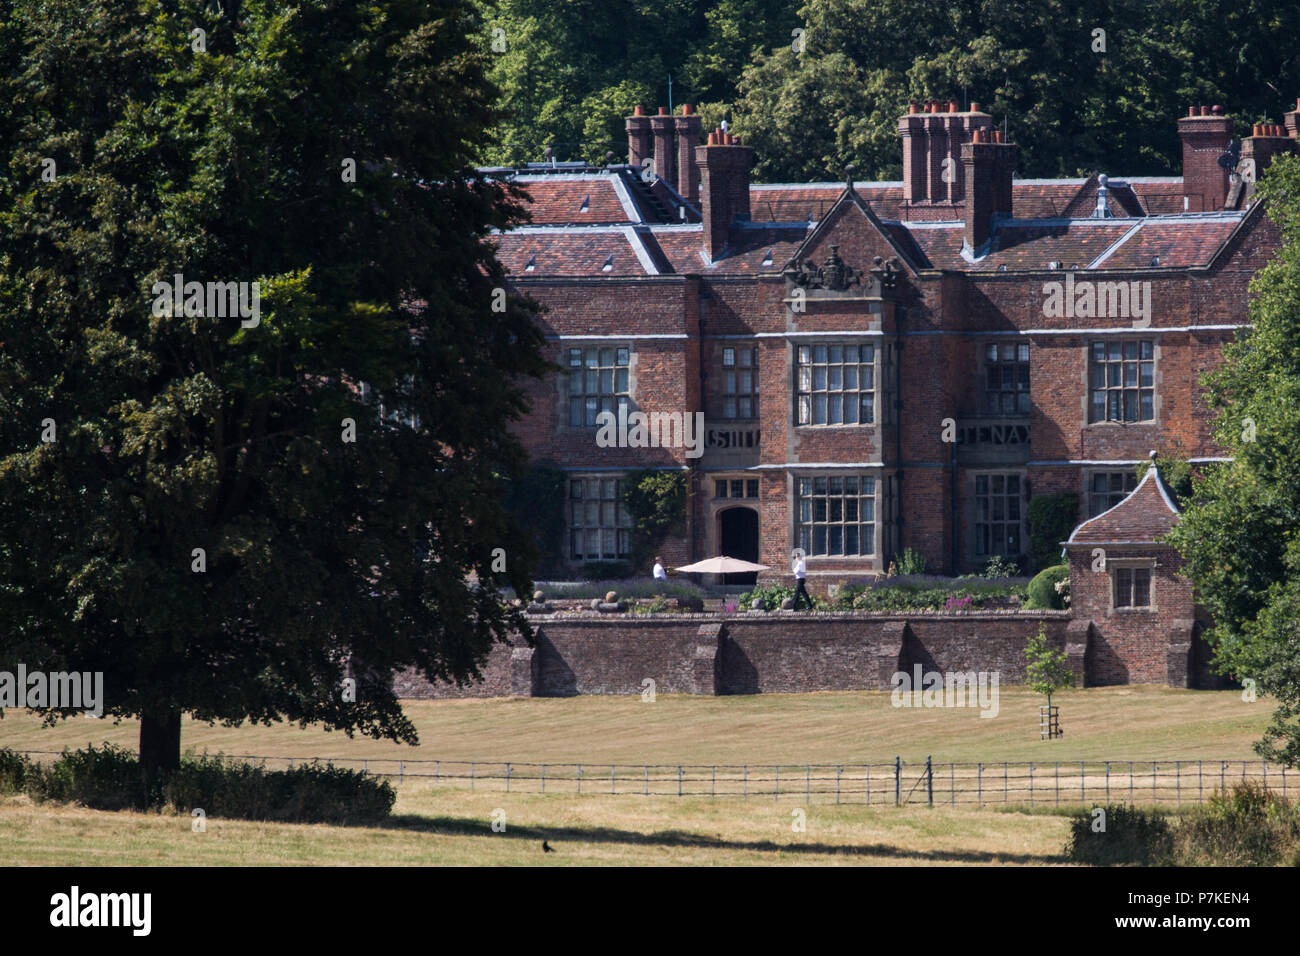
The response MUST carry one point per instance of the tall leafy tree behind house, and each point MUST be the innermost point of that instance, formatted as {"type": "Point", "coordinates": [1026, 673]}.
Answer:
{"type": "Point", "coordinates": [179, 505]}
{"type": "Point", "coordinates": [571, 70]}
{"type": "Point", "coordinates": [1070, 106]}
{"type": "Point", "coordinates": [1240, 533]}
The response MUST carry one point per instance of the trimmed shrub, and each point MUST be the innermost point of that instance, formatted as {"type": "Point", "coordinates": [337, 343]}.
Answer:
{"type": "Point", "coordinates": [111, 779]}
{"type": "Point", "coordinates": [1131, 836]}
{"type": "Point", "coordinates": [1042, 589]}
{"type": "Point", "coordinates": [105, 779]}
{"type": "Point", "coordinates": [306, 794]}
{"type": "Point", "coordinates": [1051, 519]}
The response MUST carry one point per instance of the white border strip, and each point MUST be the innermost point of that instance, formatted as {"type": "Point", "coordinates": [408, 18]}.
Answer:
{"type": "Point", "coordinates": [637, 243]}
{"type": "Point", "coordinates": [1114, 246]}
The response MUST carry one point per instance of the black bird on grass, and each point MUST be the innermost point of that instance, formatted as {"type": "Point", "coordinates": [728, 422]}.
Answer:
{"type": "Point", "coordinates": [546, 847]}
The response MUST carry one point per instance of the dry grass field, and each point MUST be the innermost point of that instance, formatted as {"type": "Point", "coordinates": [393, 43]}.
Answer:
{"type": "Point", "coordinates": [1111, 723]}
{"type": "Point", "coordinates": [437, 824]}
{"type": "Point", "coordinates": [453, 827]}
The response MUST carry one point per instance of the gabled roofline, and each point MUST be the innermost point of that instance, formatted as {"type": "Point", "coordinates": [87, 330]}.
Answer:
{"type": "Point", "coordinates": [1152, 473]}
{"type": "Point", "coordinates": [849, 195]}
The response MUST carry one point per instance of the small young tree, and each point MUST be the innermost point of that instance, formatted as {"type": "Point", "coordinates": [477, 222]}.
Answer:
{"type": "Point", "coordinates": [1046, 670]}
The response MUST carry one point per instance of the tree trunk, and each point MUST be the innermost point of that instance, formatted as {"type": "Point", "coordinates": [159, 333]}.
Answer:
{"type": "Point", "coordinates": [160, 741]}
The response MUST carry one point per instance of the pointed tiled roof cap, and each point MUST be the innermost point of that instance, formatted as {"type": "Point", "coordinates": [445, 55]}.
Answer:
{"type": "Point", "coordinates": [1148, 513]}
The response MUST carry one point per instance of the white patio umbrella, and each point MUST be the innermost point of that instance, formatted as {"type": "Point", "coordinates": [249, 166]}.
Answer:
{"type": "Point", "coordinates": [722, 565]}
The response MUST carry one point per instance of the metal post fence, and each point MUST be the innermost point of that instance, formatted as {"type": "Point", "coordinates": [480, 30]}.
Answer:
{"type": "Point", "coordinates": [843, 787]}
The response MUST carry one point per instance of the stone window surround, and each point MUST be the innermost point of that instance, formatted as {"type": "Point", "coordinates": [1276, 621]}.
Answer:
{"type": "Point", "coordinates": [562, 394]}
{"type": "Point", "coordinates": [1157, 380]}
{"type": "Point", "coordinates": [867, 562]}
{"type": "Point", "coordinates": [968, 525]}
{"type": "Point", "coordinates": [982, 373]}
{"type": "Point", "coordinates": [1135, 561]}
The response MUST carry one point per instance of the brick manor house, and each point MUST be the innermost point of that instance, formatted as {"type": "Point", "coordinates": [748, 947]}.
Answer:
{"type": "Point", "coordinates": [881, 365]}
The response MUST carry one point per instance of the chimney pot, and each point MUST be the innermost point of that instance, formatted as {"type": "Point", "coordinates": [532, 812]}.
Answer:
{"type": "Point", "coordinates": [639, 111]}
{"type": "Point", "coordinates": [953, 106]}
{"type": "Point", "coordinates": [663, 111]}
{"type": "Point", "coordinates": [1191, 111]}
{"type": "Point", "coordinates": [687, 109]}
{"type": "Point", "coordinates": [915, 107]}
{"type": "Point", "coordinates": [997, 136]}
{"type": "Point", "coordinates": [974, 107]}
{"type": "Point", "coordinates": [1205, 111]}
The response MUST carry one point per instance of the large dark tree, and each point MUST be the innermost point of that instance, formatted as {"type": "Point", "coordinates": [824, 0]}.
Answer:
{"type": "Point", "coordinates": [226, 156]}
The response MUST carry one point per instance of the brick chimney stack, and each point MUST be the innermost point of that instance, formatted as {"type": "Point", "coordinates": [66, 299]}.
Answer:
{"type": "Point", "coordinates": [662, 128]}
{"type": "Point", "coordinates": [1266, 142]}
{"type": "Point", "coordinates": [1206, 133]}
{"type": "Point", "coordinates": [987, 167]}
{"type": "Point", "coordinates": [932, 133]}
{"type": "Point", "coordinates": [724, 166]}
{"type": "Point", "coordinates": [1292, 121]}
{"type": "Point", "coordinates": [638, 137]}
{"type": "Point", "coordinates": [688, 138]}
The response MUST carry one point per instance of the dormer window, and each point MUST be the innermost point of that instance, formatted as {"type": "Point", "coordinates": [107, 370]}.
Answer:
{"type": "Point", "coordinates": [532, 264]}
{"type": "Point", "coordinates": [586, 204]}
{"type": "Point", "coordinates": [767, 259]}
{"type": "Point", "coordinates": [609, 264]}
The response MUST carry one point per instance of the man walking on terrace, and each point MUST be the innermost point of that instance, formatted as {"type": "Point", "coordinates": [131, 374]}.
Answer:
{"type": "Point", "coordinates": [800, 572]}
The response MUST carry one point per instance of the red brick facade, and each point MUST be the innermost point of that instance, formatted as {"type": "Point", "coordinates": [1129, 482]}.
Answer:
{"type": "Point", "coordinates": [673, 286]}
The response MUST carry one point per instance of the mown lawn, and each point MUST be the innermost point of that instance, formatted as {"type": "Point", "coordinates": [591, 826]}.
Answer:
{"type": "Point", "coordinates": [1115, 723]}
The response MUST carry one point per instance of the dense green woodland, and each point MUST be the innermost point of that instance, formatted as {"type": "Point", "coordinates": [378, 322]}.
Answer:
{"type": "Point", "coordinates": [572, 69]}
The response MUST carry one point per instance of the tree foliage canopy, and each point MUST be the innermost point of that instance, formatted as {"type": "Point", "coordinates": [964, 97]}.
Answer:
{"type": "Point", "coordinates": [1240, 533]}
{"type": "Point", "coordinates": [176, 432]}
{"type": "Point", "coordinates": [572, 70]}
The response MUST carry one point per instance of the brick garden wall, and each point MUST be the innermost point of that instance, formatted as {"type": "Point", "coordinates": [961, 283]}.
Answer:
{"type": "Point", "coordinates": [748, 654]}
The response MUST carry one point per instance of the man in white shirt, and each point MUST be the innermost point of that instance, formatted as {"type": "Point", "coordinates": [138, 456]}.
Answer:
{"type": "Point", "coordinates": [800, 572]}
{"type": "Point", "coordinates": [660, 575]}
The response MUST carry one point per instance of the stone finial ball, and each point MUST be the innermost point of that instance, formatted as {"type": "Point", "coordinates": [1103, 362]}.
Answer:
{"type": "Point", "coordinates": [539, 596]}
{"type": "Point", "coordinates": [611, 597]}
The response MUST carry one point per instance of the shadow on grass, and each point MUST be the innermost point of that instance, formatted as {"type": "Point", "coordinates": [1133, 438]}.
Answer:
{"type": "Point", "coordinates": [558, 836]}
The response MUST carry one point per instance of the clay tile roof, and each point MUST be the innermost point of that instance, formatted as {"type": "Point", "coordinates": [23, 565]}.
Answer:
{"type": "Point", "coordinates": [1022, 245]}
{"type": "Point", "coordinates": [560, 202]}
{"type": "Point", "coordinates": [1176, 243]}
{"type": "Point", "coordinates": [746, 252]}
{"type": "Point", "coordinates": [1146, 514]}
{"type": "Point", "coordinates": [576, 252]}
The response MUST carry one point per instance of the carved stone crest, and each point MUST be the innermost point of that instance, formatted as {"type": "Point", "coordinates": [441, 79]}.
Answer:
{"type": "Point", "coordinates": [835, 275]}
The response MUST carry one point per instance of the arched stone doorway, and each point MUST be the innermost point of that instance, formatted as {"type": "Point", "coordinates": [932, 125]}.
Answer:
{"type": "Point", "coordinates": [738, 538]}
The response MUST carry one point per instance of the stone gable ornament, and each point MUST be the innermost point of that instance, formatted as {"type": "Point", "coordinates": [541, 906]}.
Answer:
{"type": "Point", "coordinates": [834, 276]}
